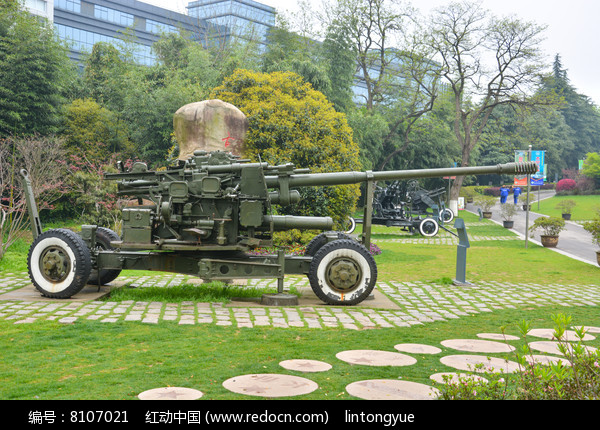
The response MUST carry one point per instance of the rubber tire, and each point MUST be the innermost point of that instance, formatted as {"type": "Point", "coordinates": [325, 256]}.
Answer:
{"type": "Point", "coordinates": [103, 238]}
{"type": "Point", "coordinates": [75, 249]}
{"type": "Point", "coordinates": [352, 227]}
{"type": "Point", "coordinates": [349, 249]}
{"type": "Point", "coordinates": [321, 239]}
{"type": "Point", "coordinates": [425, 227]}
{"type": "Point", "coordinates": [447, 215]}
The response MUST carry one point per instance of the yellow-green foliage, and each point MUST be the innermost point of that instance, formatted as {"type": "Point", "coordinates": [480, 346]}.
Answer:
{"type": "Point", "coordinates": [292, 122]}
{"type": "Point", "coordinates": [94, 131]}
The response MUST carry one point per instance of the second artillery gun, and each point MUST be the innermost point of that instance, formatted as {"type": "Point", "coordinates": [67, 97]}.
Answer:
{"type": "Point", "coordinates": [410, 207]}
{"type": "Point", "coordinates": [205, 215]}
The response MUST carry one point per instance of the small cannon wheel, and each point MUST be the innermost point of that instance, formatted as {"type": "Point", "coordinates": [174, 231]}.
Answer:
{"type": "Point", "coordinates": [343, 272]}
{"type": "Point", "coordinates": [59, 263]}
{"type": "Point", "coordinates": [447, 215]}
{"type": "Point", "coordinates": [350, 225]}
{"type": "Point", "coordinates": [428, 227]}
{"type": "Point", "coordinates": [103, 238]}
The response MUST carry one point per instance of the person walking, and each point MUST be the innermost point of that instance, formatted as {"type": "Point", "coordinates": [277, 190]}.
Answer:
{"type": "Point", "coordinates": [516, 194]}
{"type": "Point", "coordinates": [503, 194]}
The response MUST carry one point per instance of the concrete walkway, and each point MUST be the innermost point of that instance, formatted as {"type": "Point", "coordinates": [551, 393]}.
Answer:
{"type": "Point", "coordinates": [395, 304]}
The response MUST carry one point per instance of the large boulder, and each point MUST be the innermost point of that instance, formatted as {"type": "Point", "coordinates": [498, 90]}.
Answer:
{"type": "Point", "coordinates": [210, 125]}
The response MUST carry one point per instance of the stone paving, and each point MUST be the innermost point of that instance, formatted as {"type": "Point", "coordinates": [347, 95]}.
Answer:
{"type": "Point", "coordinates": [412, 303]}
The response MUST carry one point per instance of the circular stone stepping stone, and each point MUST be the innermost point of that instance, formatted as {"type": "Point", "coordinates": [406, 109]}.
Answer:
{"type": "Point", "coordinates": [477, 345]}
{"type": "Point", "coordinates": [455, 378]}
{"type": "Point", "coordinates": [270, 385]}
{"type": "Point", "coordinates": [170, 393]}
{"type": "Point", "coordinates": [417, 348]}
{"type": "Point", "coordinates": [548, 333]}
{"type": "Point", "coordinates": [546, 359]}
{"type": "Point", "coordinates": [551, 347]}
{"type": "Point", "coordinates": [305, 365]}
{"type": "Point", "coordinates": [391, 389]}
{"type": "Point", "coordinates": [369, 357]}
{"type": "Point", "coordinates": [480, 363]}
{"type": "Point", "coordinates": [497, 336]}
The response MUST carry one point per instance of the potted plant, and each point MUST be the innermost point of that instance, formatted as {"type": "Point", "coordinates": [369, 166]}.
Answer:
{"type": "Point", "coordinates": [508, 211]}
{"type": "Point", "coordinates": [551, 227]}
{"type": "Point", "coordinates": [594, 228]}
{"type": "Point", "coordinates": [468, 194]}
{"type": "Point", "coordinates": [523, 199]}
{"type": "Point", "coordinates": [566, 207]}
{"type": "Point", "coordinates": [486, 203]}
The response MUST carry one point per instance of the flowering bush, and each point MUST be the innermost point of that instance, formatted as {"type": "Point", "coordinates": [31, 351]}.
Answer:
{"type": "Point", "coordinates": [566, 185]}
{"type": "Point", "coordinates": [374, 249]}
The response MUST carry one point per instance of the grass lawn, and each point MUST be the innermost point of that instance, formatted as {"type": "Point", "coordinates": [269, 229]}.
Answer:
{"type": "Point", "coordinates": [586, 207]}
{"type": "Point", "coordinates": [96, 360]}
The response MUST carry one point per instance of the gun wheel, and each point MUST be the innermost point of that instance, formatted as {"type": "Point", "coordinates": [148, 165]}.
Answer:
{"type": "Point", "coordinates": [428, 227]}
{"type": "Point", "coordinates": [103, 238]}
{"type": "Point", "coordinates": [350, 225]}
{"type": "Point", "coordinates": [59, 263]}
{"type": "Point", "coordinates": [342, 272]}
{"type": "Point", "coordinates": [321, 239]}
{"type": "Point", "coordinates": [447, 215]}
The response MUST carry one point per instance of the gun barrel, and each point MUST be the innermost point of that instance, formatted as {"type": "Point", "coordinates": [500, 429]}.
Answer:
{"type": "Point", "coordinates": [286, 222]}
{"type": "Point", "coordinates": [343, 178]}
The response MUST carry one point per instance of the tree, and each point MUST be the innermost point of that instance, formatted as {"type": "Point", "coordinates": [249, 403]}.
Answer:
{"type": "Point", "coordinates": [35, 73]}
{"type": "Point", "coordinates": [288, 51]}
{"type": "Point", "coordinates": [395, 74]}
{"type": "Point", "coordinates": [94, 131]}
{"type": "Point", "coordinates": [340, 60]}
{"type": "Point", "coordinates": [42, 157]}
{"type": "Point", "coordinates": [464, 37]}
{"type": "Point", "coordinates": [289, 121]}
{"type": "Point", "coordinates": [375, 29]}
{"type": "Point", "coordinates": [591, 166]}
{"type": "Point", "coordinates": [579, 113]}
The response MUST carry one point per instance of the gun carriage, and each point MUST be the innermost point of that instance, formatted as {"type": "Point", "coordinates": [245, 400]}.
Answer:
{"type": "Point", "coordinates": [205, 215]}
{"type": "Point", "coordinates": [408, 206]}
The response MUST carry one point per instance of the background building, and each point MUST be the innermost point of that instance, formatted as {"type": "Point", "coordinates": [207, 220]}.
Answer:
{"type": "Point", "coordinates": [82, 23]}
{"type": "Point", "coordinates": [246, 19]}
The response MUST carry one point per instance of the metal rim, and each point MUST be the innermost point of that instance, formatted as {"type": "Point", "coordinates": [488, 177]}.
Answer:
{"type": "Point", "coordinates": [55, 264]}
{"type": "Point", "coordinates": [343, 274]}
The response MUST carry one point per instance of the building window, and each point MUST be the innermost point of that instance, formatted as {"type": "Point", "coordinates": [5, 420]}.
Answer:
{"type": "Point", "coordinates": [159, 27]}
{"type": "Point", "coordinates": [83, 41]}
{"type": "Point", "coordinates": [70, 5]}
{"type": "Point", "coordinates": [114, 16]}
{"type": "Point", "coordinates": [37, 5]}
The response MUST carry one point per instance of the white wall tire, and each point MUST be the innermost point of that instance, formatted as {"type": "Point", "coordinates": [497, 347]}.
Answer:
{"type": "Point", "coordinates": [342, 272]}
{"type": "Point", "coordinates": [59, 263]}
{"type": "Point", "coordinates": [428, 227]}
{"type": "Point", "coordinates": [447, 215]}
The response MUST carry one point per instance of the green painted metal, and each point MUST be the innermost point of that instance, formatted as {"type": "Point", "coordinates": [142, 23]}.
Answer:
{"type": "Point", "coordinates": [34, 217]}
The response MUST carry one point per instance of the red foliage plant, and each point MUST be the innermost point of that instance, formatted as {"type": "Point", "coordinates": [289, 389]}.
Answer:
{"type": "Point", "coordinates": [565, 185]}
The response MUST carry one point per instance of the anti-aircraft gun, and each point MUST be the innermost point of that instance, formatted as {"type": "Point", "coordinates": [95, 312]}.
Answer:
{"type": "Point", "coordinates": [205, 215]}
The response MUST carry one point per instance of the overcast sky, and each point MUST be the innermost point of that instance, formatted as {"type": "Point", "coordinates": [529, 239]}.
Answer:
{"type": "Point", "coordinates": [573, 30]}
